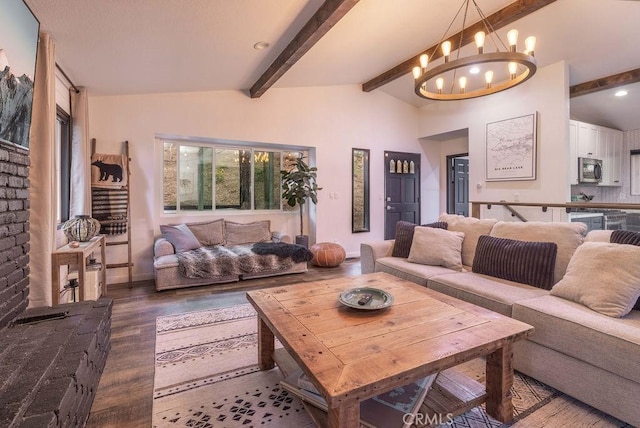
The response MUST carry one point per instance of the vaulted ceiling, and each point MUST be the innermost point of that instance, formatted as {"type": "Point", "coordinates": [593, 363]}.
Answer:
{"type": "Point", "coordinates": [150, 46]}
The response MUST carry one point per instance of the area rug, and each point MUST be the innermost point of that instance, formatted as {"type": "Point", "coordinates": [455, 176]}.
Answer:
{"type": "Point", "coordinates": [206, 375]}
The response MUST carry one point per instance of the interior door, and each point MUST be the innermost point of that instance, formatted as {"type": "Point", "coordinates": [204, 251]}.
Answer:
{"type": "Point", "coordinates": [458, 185]}
{"type": "Point", "coordinates": [402, 190]}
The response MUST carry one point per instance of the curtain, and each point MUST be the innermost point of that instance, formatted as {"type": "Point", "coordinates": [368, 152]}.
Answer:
{"type": "Point", "coordinates": [80, 194]}
{"type": "Point", "coordinates": [42, 175]}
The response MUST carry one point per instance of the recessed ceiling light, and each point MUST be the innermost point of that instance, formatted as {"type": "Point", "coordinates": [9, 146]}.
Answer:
{"type": "Point", "coordinates": [474, 70]}
{"type": "Point", "coordinates": [261, 45]}
{"type": "Point", "coordinates": [621, 93]}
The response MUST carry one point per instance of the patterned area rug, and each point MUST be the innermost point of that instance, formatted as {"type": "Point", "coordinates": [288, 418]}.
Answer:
{"type": "Point", "coordinates": [206, 375]}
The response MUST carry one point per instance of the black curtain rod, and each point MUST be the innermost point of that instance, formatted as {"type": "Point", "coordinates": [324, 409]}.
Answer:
{"type": "Point", "coordinates": [67, 77]}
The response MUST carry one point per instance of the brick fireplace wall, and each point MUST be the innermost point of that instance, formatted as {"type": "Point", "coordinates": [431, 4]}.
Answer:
{"type": "Point", "coordinates": [14, 232]}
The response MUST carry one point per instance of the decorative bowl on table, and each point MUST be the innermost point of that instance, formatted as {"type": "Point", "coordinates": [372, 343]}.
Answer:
{"type": "Point", "coordinates": [366, 298]}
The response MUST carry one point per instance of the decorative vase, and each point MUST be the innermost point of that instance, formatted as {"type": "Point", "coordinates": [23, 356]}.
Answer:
{"type": "Point", "coordinates": [82, 228]}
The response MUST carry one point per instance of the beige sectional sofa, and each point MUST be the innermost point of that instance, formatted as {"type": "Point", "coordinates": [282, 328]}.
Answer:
{"type": "Point", "coordinates": [223, 235]}
{"type": "Point", "coordinates": [575, 349]}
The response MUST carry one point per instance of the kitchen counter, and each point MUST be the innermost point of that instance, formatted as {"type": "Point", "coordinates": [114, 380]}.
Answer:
{"type": "Point", "coordinates": [577, 215]}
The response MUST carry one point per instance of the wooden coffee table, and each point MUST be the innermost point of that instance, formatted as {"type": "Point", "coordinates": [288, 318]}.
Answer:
{"type": "Point", "coordinates": [352, 355]}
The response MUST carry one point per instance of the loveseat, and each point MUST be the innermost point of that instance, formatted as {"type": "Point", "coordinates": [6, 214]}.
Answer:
{"type": "Point", "coordinates": [222, 251]}
{"type": "Point", "coordinates": [587, 338]}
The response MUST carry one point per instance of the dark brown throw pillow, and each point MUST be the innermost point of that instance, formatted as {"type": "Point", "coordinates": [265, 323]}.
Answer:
{"type": "Point", "coordinates": [404, 236]}
{"type": "Point", "coordinates": [625, 237]}
{"type": "Point", "coordinates": [526, 262]}
{"type": "Point", "coordinates": [630, 238]}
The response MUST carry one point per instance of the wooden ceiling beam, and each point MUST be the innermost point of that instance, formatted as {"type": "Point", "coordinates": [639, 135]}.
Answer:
{"type": "Point", "coordinates": [320, 23]}
{"type": "Point", "coordinates": [609, 82]}
{"type": "Point", "coordinates": [505, 16]}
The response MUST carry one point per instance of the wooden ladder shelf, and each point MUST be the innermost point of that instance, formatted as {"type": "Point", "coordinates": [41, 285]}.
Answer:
{"type": "Point", "coordinates": [111, 243]}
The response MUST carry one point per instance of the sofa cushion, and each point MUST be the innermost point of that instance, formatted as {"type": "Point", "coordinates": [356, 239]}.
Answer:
{"type": "Point", "coordinates": [413, 272]}
{"type": "Point", "coordinates": [604, 277]}
{"type": "Point", "coordinates": [567, 237]}
{"type": "Point", "coordinates": [612, 344]}
{"type": "Point", "coordinates": [404, 236]}
{"type": "Point", "coordinates": [598, 236]}
{"type": "Point", "coordinates": [491, 293]}
{"type": "Point", "coordinates": [437, 247]}
{"type": "Point", "coordinates": [530, 263]}
{"type": "Point", "coordinates": [209, 233]}
{"type": "Point", "coordinates": [180, 237]}
{"type": "Point", "coordinates": [247, 233]}
{"type": "Point", "coordinates": [472, 228]}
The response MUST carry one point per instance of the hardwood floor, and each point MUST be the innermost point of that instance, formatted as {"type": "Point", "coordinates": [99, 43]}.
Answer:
{"type": "Point", "coordinates": [124, 395]}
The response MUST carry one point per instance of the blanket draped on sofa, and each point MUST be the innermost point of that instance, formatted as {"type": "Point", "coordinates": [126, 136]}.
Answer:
{"type": "Point", "coordinates": [220, 262]}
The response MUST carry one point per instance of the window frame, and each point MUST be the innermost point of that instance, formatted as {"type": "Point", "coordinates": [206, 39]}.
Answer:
{"type": "Point", "coordinates": [63, 164]}
{"type": "Point", "coordinates": [224, 145]}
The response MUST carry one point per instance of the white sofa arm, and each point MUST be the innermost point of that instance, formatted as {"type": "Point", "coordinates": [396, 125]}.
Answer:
{"type": "Point", "coordinates": [372, 251]}
{"type": "Point", "coordinates": [162, 247]}
{"type": "Point", "coordinates": [281, 237]}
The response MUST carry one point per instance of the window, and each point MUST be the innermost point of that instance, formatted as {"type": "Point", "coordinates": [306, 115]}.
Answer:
{"type": "Point", "coordinates": [63, 164]}
{"type": "Point", "coordinates": [210, 177]}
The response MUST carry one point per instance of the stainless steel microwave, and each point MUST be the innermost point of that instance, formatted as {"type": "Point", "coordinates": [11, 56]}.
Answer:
{"type": "Point", "coordinates": [589, 170]}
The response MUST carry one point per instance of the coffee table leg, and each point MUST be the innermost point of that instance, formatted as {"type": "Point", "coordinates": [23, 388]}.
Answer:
{"type": "Point", "coordinates": [345, 416]}
{"type": "Point", "coordinates": [266, 346]}
{"type": "Point", "coordinates": [499, 382]}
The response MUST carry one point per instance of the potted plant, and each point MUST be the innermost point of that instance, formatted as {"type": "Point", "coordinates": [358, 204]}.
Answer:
{"type": "Point", "coordinates": [299, 185]}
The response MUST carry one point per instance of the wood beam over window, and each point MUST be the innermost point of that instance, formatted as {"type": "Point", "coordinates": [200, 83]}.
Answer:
{"type": "Point", "coordinates": [320, 23]}
{"type": "Point", "coordinates": [505, 16]}
{"type": "Point", "coordinates": [609, 82]}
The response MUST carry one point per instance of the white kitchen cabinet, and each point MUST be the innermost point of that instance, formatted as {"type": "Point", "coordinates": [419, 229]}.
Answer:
{"type": "Point", "coordinates": [594, 141]}
{"type": "Point", "coordinates": [588, 141]}
{"type": "Point", "coordinates": [573, 152]}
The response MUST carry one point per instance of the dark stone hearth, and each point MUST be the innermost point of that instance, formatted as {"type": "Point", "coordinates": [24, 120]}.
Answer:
{"type": "Point", "coordinates": [50, 369]}
{"type": "Point", "coordinates": [51, 359]}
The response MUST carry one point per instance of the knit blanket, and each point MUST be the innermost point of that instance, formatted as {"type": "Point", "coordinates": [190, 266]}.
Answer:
{"type": "Point", "coordinates": [220, 262]}
{"type": "Point", "coordinates": [298, 253]}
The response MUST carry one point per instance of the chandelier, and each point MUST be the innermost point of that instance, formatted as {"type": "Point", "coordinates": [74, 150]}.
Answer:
{"type": "Point", "coordinates": [461, 78]}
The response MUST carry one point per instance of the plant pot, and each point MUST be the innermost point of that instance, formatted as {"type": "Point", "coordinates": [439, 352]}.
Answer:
{"type": "Point", "coordinates": [82, 228]}
{"type": "Point", "coordinates": [302, 240]}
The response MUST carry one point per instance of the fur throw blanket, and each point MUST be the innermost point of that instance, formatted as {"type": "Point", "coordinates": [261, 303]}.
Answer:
{"type": "Point", "coordinates": [298, 253]}
{"type": "Point", "coordinates": [221, 262]}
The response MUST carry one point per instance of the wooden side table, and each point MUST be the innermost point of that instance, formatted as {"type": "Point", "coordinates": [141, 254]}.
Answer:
{"type": "Point", "coordinates": [66, 255]}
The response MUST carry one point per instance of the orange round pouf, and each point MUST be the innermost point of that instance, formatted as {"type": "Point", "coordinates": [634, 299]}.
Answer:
{"type": "Point", "coordinates": [327, 254]}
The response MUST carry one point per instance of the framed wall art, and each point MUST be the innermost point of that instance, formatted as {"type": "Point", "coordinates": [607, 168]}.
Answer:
{"type": "Point", "coordinates": [18, 47]}
{"type": "Point", "coordinates": [511, 149]}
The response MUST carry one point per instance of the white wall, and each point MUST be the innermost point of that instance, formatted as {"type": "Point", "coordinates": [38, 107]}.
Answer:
{"type": "Point", "coordinates": [547, 93]}
{"type": "Point", "coordinates": [332, 119]}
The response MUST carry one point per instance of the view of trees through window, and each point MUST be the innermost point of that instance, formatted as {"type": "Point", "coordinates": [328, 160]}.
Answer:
{"type": "Point", "coordinates": [194, 176]}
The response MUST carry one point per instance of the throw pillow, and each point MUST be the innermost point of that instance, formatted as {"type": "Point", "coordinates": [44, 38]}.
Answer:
{"type": "Point", "coordinates": [625, 237]}
{"type": "Point", "coordinates": [530, 263]}
{"type": "Point", "coordinates": [247, 233]}
{"type": "Point", "coordinates": [472, 228]}
{"type": "Point", "coordinates": [602, 276]}
{"type": "Point", "coordinates": [180, 236]}
{"type": "Point", "coordinates": [437, 247]}
{"type": "Point", "coordinates": [567, 237]}
{"type": "Point", "coordinates": [209, 233]}
{"type": "Point", "coordinates": [630, 238]}
{"type": "Point", "coordinates": [404, 236]}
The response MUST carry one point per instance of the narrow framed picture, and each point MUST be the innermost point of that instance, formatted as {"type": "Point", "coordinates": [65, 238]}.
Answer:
{"type": "Point", "coordinates": [511, 149]}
